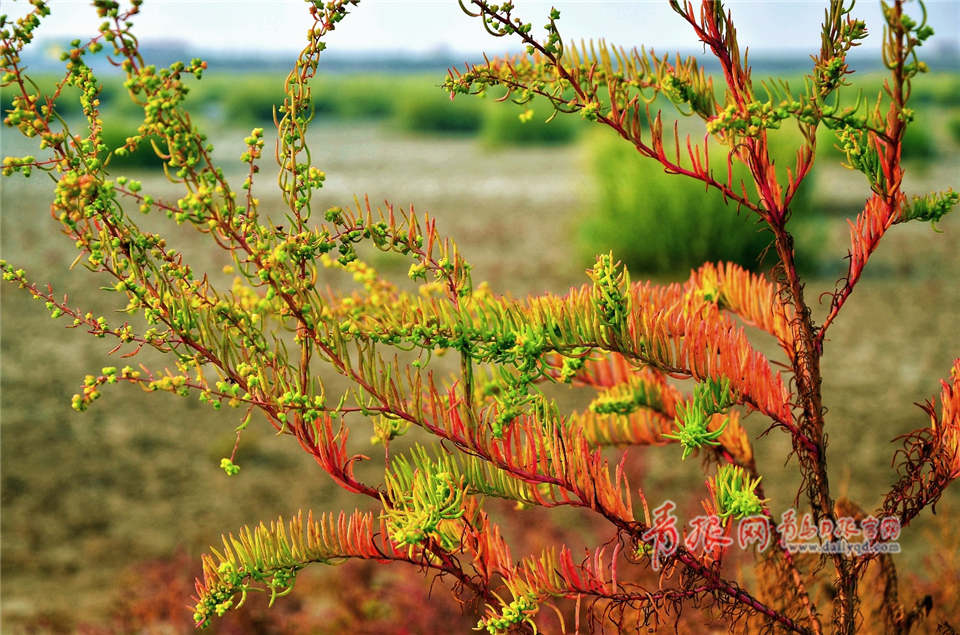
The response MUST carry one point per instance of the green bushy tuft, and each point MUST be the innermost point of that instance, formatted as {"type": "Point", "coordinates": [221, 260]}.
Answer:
{"type": "Point", "coordinates": [115, 135]}
{"type": "Point", "coordinates": [363, 97]}
{"type": "Point", "coordinates": [435, 113]}
{"type": "Point", "coordinates": [251, 103]}
{"type": "Point", "coordinates": [918, 143]}
{"type": "Point", "coordinates": [953, 125]}
{"type": "Point", "coordinates": [526, 125]}
{"type": "Point", "coordinates": [661, 223]}
{"type": "Point", "coordinates": [940, 89]}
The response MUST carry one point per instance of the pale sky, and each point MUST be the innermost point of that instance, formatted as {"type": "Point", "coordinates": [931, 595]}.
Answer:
{"type": "Point", "coordinates": [419, 26]}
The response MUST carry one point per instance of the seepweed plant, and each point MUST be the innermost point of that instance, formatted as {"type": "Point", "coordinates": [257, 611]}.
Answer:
{"type": "Point", "coordinates": [259, 345]}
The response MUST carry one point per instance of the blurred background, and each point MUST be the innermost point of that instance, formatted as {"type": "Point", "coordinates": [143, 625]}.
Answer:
{"type": "Point", "coordinates": [105, 514]}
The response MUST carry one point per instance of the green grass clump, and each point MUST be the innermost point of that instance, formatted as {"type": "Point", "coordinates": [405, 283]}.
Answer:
{"type": "Point", "coordinates": [429, 110]}
{"type": "Point", "coordinates": [526, 125]}
{"type": "Point", "coordinates": [251, 102]}
{"type": "Point", "coordinates": [953, 125]}
{"type": "Point", "coordinates": [918, 142]}
{"type": "Point", "coordinates": [362, 97]}
{"type": "Point", "coordinates": [115, 136]}
{"type": "Point", "coordinates": [940, 89]}
{"type": "Point", "coordinates": [666, 224]}
{"type": "Point", "coordinates": [115, 102]}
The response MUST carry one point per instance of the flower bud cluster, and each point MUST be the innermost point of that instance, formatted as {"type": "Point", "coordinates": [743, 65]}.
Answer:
{"type": "Point", "coordinates": [693, 429]}
{"type": "Point", "coordinates": [516, 612]}
{"type": "Point", "coordinates": [734, 493]}
{"type": "Point", "coordinates": [422, 506]}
